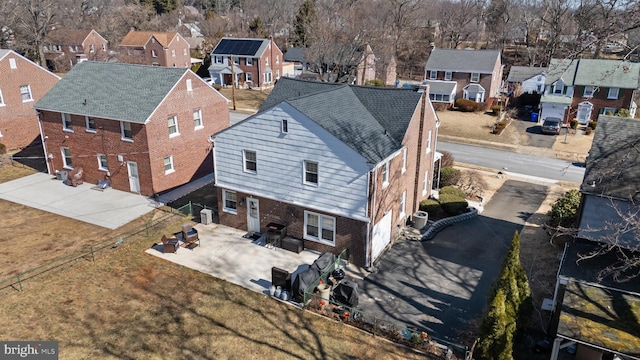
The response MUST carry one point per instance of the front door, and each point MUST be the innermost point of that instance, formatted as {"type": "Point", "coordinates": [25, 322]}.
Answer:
{"type": "Point", "coordinates": [134, 180]}
{"type": "Point", "coordinates": [584, 112]}
{"type": "Point", "coordinates": [253, 215]}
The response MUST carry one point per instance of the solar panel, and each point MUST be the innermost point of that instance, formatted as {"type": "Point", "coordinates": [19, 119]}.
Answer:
{"type": "Point", "coordinates": [240, 47]}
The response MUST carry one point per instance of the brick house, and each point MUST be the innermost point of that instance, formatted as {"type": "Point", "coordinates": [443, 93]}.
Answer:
{"type": "Point", "coordinates": [582, 89]}
{"type": "Point", "coordinates": [257, 63]}
{"type": "Point", "coordinates": [68, 47]}
{"type": "Point", "coordinates": [22, 83]}
{"type": "Point", "coordinates": [477, 73]}
{"type": "Point", "coordinates": [168, 49]}
{"type": "Point", "coordinates": [342, 166]}
{"type": "Point", "coordinates": [146, 136]}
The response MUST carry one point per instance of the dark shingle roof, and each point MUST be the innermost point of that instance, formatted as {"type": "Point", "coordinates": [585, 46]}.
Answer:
{"type": "Point", "coordinates": [111, 90]}
{"type": "Point", "coordinates": [240, 47]}
{"type": "Point", "coordinates": [480, 61]}
{"type": "Point", "coordinates": [522, 73]}
{"type": "Point", "coordinates": [294, 54]}
{"type": "Point", "coordinates": [613, 165]}
{"type": "Point", "coordinates": [371, 120]}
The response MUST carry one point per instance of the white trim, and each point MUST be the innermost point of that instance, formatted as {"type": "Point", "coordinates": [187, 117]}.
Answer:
{"type": "Point", "coordinates": [122, 136]}
{"type": "Point", "coordinates": [385, 174]}
{"type": "Point", "coordinates": [284, 126]}
{"type": "Point", "coordinates": [425, 183]}
{"type": "Point", "coordinates": [12, 63]}
{"type": "Point", "coordinates": [189, 85]}
{"type": "Point", "coordinates": [224, 202]}
{"type": "Point", "coordinates": [66, 118]}
{"type": "Point", "coordinates": [320, 224]}
{"type": "Point", "coordinates": [403, 205]}
{"type": "Point", "coordinates": [164, 162]}
{"type": "Point", "coordinates": [175, 124]}
{"type": "Point", "coordinates": [304, 173]}
{"type": "Point", "coordinates": [100, 167]}
{"type": "Point", "coordinates": [448, 75]}
{"type": "Point", "coordinates": [86, 124]}
{"type": "Point", "coordinates": [617, 91]}
{"type": "Point", "coordinates": [429, 141]}
{"type": "Point", "coordinates": [404, 160]}
{"type": "Point", "coordinates": [30, 93]}
{"type": "Point", "coordinates": [64, 158]}
{"type": "Point", "coordinates": [244, 161]}
{"type": "Point", "coordinates": [472, 76]}
{"type": "Point", "coordinates": [196, 126]}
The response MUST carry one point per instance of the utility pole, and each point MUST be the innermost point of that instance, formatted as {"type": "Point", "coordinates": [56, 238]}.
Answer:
{"type": "Point", "coordinates": [233, 82]}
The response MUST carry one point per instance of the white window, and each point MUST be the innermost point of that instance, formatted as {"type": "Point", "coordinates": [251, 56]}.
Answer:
{"type": "Point", "coordinates": [104, 47]}
{"type": "Point", "coordinates": [248, 77]}
{"type": "Point", "coordinates": [385, 175]}
{"type": "Point", "coordinates": [173, 52]}
{"type": "Point", "coordinates": [153, 40]}
{"type": "Point", "coordinates": [197, 119]}
{"type": "Point", "coordinates": [278, 74]}
{"type": "Point", "coordinates": [1, 99]}
{"type": "Point", "coordinates": [266, 61]}
{"type": "Point", "coordinates": [218, 60]}
{"type": "Point", "coordinates": [433, 74]}
{"type": "Point", "coordinates": [184, 51]}
{"type": "Point", "coordinates": [285, 126]}
{"type": "Point", "coordinates": [428, 145]}
{"type": "Point", "coordinates": [588, 91]}
{"type": "Point", "coordinates": [475, 77]}
{"type": "Point", "coordinates": [609, 111]}
{"type": "Point", "coordinates": [267, 77]}
{"type": "Point", "coordinates": [277, 59]}
{"type": "Point", "coordinates": [168, 165]}
{"type": "Point", "coordinates": [12, 63]}
{"type": "Point", "coordinates": [250, 160]}
{"type": "Point", "coordinates": [25, 92]}
{"type": "Point", "coordinates": [310, 172]}
{"type": "Point", "coordinates": [404, 160]}
{"type": "Point", "coordinates": [236, 60]}
{"type": "Point", "coordinates": [172, 123]}
{"type": "Point", "coordinates": [230, 201]}
{"type": "Point", "coordinates": [249, 61]}
{"type": "Point", "coordinates": [102, 162]}
{"type": "Point", "coordinates": [447, 75]}
{"type": "Point", "coordinates": [425, 183]}
{"type": "Point", "coordinates": [90, 123]}
{"type": "Point", "coordinates": [189, 86]}
{"type": "Point", "coordinates": [91, 49]}
{"type": "Point", "coordinates": [154, 53]}
{"type": "Point", "coordinates": [125, 130]}
{"type": "Point", "coordinates": [558, 88]}
{"type": "Point", "coordinates": [403, 203]}
{"type": "Point", "coordinates": [57, 48]}
{"type": "Point", "coordinates": [66, 122]}
{"type": "Point", "coordinates": [66, 158]}
{"type": "Point", "coordinates": [613, 93]}
{"type": "Point", "coordinates": [320, 228]}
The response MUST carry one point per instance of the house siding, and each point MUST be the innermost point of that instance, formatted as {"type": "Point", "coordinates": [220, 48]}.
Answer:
{"type": "Point", "coordinates": [18, 120]}
{"type": "Point", "coordinates": [350, 234]}
{"type": "Point", "coordinates": [600, 100]}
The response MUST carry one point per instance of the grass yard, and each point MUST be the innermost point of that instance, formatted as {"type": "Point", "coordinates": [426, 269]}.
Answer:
{"type": "Point", "coordinates": [246, 100]}
{"type": "Point", "coordinates": [128, 304]}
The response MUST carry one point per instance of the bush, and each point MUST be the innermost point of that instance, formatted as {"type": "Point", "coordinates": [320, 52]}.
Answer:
{"type": "Point", "coordinates": [447, 159]}
{"type": "Point", "coordinates": [468, 105]}
{"type": "Point", "coordinates": [623, 113]}
{"type": "Point", "coordinates": [375, 82]}
{"type": "Point", "coordinates": [217, 87]}
{"type": "Point", "coordinates": [495, 110]}
{"type": "Point", "coordinates": [449, 176]}
{"type": "Point", "coordinates": [452, 190]}
{"type": "Point", "coordinates": [592, 124]}
{"type": "Point", "coordinates": [573, 124]}
{"type": "Point", "coordinates": [452, 204]}
{"type": "Point", "coordinates": [3, 149]}
{"type": "Point", "coordinates": [588, 130]}
{"type": "Point", "coordinates": [564, 211]}
{"type": "Point", "coordinates": [432, 207]}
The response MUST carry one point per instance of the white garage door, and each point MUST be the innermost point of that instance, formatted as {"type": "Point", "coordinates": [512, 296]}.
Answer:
{"type": "Point", "coordinates": [381, 236]}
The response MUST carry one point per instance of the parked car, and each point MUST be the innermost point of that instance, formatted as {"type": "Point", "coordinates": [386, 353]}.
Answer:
{"type": "Point", "coordinates": [551, 125]}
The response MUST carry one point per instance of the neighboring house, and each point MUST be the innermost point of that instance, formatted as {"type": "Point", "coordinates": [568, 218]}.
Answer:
{"type": "Point", "coordinates": [597, 313]}
{"type": "Point", "coordinates": [366, 68]}
{"type": "Point", "coordinates": [146, 129]}
{"type": "Point", "coordinates": [68, 47]}
{"type": "Point", "coordinates": [477, 72]}
{"type": "Point", "coordinates": [257, 63]}
{"type": "Point", "coordinates": [442, 93]}
{"type": "Point", "coordinates": [295, 55]}
{"type": "Point", "coordinates": [22, 83]}
{"type": "Point", "coordinates": [582, 89]}
{"type": "Point", "coordinates": [168, 49]}
{"type": "Point", "coordinates": [526, 80]}
{"type": "Point", "coordinates": [342, 166]}
{"type": "Point", "coordinates": [190, 30]}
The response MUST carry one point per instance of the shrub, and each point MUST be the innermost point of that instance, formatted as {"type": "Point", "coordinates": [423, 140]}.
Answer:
{"type": "Point", "coordinates": [217, 87]}
{"type": "Point", "coordinates": [592, 124]}
{"type": "Point", "coordinates": [3, 149]}
{"type": "Point", "coordinates": [375, 82]}
{"type": "Point", "coordinates": [449, 176]}
{"type": "Point", "coordinates": [432, 207]}
{"type": "Point", "coordinates": [565, 210]}
{"type": "Point", "coordinates": [468, 105]}
{"type": "Point", "coordinates": [623, 113]}
{"type": "Point", "coordinates": [495, 110]}
{"type": "Point", "coordinates": [452, 204]}
{"type": "Point", "coordinates": [452, 190]}
{"type": "Point", "coordinates": [447, 159]}
{"type": "Point", "coordinates": [573, 124]}
{"type": "Point", "coordinates": [588, 130]}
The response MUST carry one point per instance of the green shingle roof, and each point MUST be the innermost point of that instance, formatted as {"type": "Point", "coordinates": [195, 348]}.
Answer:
{"type": "Point", "coordinates": [371, 120]}
{"type": "Point", "coordinates": [471, 61]}
{"type": "Point", "coordinates": [594, 72]}
{"type": "Point", "coordinates": [111, 90]}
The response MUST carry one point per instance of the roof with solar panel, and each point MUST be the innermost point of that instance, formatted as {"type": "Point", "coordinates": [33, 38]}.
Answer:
{"type": "Point", "coordinates": [241, 47]}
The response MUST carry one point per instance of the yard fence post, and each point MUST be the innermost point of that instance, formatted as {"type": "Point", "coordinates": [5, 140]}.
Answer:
{"type": "Point", "coordinates": [93, 258]}
{"type": "Point", "coordinates": [19, 282]}
{"type": "Point", "coordinates": [146, 228]}
{"type": "Point", "coordinates": [190, 209]}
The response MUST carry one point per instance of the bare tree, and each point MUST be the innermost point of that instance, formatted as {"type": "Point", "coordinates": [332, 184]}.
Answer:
{"type": "Point", "coordinates": [34, 19]}
{"type": "Point", "coordinates": [456, 22]}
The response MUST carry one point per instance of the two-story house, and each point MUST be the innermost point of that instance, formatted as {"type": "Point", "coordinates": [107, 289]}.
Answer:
{"type": "Point", "coordinates": [341, 166]}
{"type": "Point", "coordinates": [146, 129]}
{"type": "Point", "coordinates": [168, 49]}
{"type": "Point", "coordinates": [68, 47]}
{"type": "Point", "coordinates": [22, 83]}
{"type": "Point", "coordinates": [257, 63]}
{"type": "Point", "coordinates": [582, 89]}
{"type": "Point", "coordinates": [472, 74]}
{"type": "Point", "coordinates": [526, 80]}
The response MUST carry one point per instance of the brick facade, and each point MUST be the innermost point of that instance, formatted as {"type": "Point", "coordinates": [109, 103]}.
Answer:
{"type": "Point", "coordinates": [191, 149]}
{"type": "Point", "coordinates": [18, 120]}
{"type": "Point", "coordinates": [69, 47]}
{"type": "Point", "coordinates": [174, 54]}
{"type": "Point", "coordinates": [600, 100]}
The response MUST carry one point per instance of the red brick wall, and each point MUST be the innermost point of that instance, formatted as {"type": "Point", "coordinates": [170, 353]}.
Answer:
{"type": "Point", "coordinates": [97, 41]}
{"type": "Point", "coordinates": [179, 44]}
{"type": "Point", "coordinates": [18, 121]}
{"type": "Point", "coordinates": [350, 234]}
{"type": "Point", "coordinates": [600, 101]}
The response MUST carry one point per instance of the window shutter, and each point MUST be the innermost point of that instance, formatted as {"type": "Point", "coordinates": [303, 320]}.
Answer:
{"type": "Point", "coordinates": [601, 111]}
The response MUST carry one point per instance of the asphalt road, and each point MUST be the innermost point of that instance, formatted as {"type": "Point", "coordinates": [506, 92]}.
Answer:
{"type": "Point", "coordinates": [515, 163]}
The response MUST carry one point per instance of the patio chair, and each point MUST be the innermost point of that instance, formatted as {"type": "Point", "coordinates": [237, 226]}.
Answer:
{"type": "Point", "coordinates": [189, 234]}
{"type": "Point", "coordinates": [169, 245]}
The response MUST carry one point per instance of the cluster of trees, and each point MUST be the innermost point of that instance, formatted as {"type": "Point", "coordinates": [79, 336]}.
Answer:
{"type": "Point", "coordinates": [334, 32]}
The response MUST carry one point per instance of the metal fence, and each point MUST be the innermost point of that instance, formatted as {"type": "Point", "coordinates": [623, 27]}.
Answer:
{"type": "Point", "coordinates": [392, 330]}
{"type": "Point", "coordinates": [91, 252]}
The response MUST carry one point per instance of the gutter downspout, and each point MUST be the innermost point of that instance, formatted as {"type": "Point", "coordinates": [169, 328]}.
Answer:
{"type": "Point", "coordinates": [419, 155]}
{"type": "Point", "coordinates": [372, 198]}
{"type": "Point", "coordinates": [44, 143]}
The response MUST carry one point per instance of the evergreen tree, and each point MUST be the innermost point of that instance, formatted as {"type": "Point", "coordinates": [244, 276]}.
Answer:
{"type": "Point", "coordinates": [303, 22]}
{"type": "Point", "coordinates": [256, 26]}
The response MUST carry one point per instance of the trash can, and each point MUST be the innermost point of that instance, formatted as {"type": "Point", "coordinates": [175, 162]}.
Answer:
{"type": "Point", "coordinates": [534, 117]}
{"type": "Point", "coordinates": [420, 219]}
{"type": "Point", "coordinates": [206, 216]}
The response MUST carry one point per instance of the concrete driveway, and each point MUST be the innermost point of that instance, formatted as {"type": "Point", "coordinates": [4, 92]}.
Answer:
{"type": "Point", "coordinates": [442, 285]}
{"type": "Point", "coordinates": [535, 137]}
{"type": "Point", "coordinates": [110, 208]}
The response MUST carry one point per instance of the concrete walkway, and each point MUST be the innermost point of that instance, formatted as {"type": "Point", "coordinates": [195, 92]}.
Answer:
{"type": "Point", "coordinates": [109, 208]}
